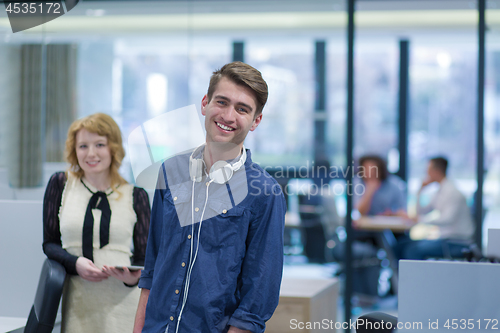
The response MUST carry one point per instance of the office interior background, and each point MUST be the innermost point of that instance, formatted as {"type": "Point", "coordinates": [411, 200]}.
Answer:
{"type": "Point", "coordinates": [136, 60]}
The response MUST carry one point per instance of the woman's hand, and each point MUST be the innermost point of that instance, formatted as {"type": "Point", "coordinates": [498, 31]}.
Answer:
{"type": "Point", "coordinates": [425, 182]}
{"type": "Point", "coordinates": [372, 185]}
{"type": "Point", "coordinates": [88, 271]}
{"type": "Point", "coordinates": [125, 275]}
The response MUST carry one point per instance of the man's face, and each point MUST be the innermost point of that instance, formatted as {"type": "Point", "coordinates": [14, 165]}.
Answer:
{"type": "Point", "coordinates": [230, 114]}
{"type": "Point", "coordinates": [432, 172]}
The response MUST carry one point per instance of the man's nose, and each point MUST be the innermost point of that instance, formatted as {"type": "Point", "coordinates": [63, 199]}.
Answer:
{"type": "Point", "coordinates": [228, 114]}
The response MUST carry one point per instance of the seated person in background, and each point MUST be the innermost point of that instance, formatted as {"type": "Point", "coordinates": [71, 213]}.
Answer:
{"type": "Point", "coordinates": [384, 194]}
{"type": "Point", "coordinates": [381, 194]}
{"type": "Point", "coordinates": [91, 218]}
{"type": "Point", "coordinates": [447, 212]}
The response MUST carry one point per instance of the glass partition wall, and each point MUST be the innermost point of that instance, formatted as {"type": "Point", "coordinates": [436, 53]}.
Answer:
{"type": "Point", "coordinates": [135, 70]}
{"type": "Point", "coordinates": [491, 188]}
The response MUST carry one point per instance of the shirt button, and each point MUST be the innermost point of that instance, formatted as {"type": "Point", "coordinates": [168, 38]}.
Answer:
{"type": "Point", "coordinates": [177, 291]}
{"type": "Point", "coordinates": [224, 211]}
{"type": "Point", "coordinates": [183, 264]}
{"type": "Point", "coordinates": [196, 209]}
{"type": "Point", "coordinates": [175, 198]}
{"type": "Point", "coordinates": [189, 236]}
{"type": "Point", "coordinates": [171, 318]}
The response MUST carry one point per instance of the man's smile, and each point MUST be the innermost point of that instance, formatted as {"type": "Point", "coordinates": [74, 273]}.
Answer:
{"type": "Point", "coordinates": [224, 127]}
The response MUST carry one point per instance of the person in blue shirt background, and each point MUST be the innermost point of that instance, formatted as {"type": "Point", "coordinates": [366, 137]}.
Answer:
{"type": "Point", "coordinates": [384, 194]}
{"type": "Point", "coordinates": [214, 257]}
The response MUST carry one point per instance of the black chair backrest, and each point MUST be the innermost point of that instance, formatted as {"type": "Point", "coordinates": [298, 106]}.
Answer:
{"type": "Point", "coordinates": [48, 295]}
{"type": "Point", "coordinates": [376, 322]}
{"type": "Point", "coordinates": [310, 209]}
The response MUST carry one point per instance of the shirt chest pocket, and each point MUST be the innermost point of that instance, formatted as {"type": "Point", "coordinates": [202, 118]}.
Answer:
{"type": "Point", "coordinates": [226, 229]}
{"type": "Point", "coordinates": [177, 204]}
{"type": "Point", "coordinates": [223, 226]}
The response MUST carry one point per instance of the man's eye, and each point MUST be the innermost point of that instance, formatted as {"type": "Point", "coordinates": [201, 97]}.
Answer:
{"type": "Point", "coordinates": [242, 110]}
{"type": "Point", "coordinates": [221, 102]}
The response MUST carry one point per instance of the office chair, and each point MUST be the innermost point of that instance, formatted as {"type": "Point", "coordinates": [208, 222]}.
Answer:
{"type": "Point", "coordinates": [48, 294]}
{"type": "Point", "coordinates": [314, 239]}
{"type": "Point", "coordinates": [376, 322]}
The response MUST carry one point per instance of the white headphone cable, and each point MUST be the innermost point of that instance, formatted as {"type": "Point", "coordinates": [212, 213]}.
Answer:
{"type": "Point", "coordinates": [191, 259]}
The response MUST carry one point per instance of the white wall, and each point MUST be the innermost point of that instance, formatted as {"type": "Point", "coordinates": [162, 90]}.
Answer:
{"type": "Point", "coordinates": [21, 255]}
{"type": "Point", "coordinates": [441, 291]}
{"type": "Point", "coordinates": [10, 65]}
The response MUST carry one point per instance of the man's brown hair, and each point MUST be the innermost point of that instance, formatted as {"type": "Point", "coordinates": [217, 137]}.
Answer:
{"type": "Point", "coordinates": [245, 75]}
{"type": "Point", "coordinates": [440, 163]}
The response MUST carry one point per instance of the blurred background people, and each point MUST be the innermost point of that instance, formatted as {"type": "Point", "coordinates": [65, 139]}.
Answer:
{"type": "Point", "coordinates": [445, 225]}
{"type": "Point", "coordinates": [91, 219]}
{"type": "Point", "coordinates": [384, 193]}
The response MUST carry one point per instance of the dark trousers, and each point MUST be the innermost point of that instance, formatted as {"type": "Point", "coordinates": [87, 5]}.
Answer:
{"type": "Point", "coordinates": [423, 249]}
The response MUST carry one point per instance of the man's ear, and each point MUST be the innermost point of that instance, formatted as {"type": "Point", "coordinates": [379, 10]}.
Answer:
{"type": "Point", "coordinates": [256, 122]}
{"type": "Point", "coordinates": [204, 103]}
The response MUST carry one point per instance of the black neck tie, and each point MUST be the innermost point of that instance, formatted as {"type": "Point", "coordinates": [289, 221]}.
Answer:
{"type": "Point", "coordinates": [99, 200]}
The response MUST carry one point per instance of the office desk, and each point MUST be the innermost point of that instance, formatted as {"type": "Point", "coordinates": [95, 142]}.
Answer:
{"type": "Point", "coordinates": [384, 226]}
{"type": "Point", "coordinates": [381, 223]}
{"type": "Point", "coordinates": [304, 300]}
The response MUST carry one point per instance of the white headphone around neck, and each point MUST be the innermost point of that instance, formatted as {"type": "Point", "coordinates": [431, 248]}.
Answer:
{"type": "Point", "coordinates": [220, 172]}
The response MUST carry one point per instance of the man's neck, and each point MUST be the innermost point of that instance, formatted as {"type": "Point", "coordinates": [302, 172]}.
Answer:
{"type": "Point", "coordinates": [441, 180]}
{"type": "Point", "coordinates": [215, 151]}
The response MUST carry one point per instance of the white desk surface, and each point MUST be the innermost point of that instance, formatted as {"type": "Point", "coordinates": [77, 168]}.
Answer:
{"type": "Point", "coordinates": [379, 223]}
{"type": "Point", "coordinates": [8, 324]}
{"type": "Point", "coordinates": [305, 288]}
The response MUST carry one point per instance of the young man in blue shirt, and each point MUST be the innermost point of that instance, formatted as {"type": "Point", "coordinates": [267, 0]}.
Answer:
{"type": "Point", "coordinates": [215, 249]}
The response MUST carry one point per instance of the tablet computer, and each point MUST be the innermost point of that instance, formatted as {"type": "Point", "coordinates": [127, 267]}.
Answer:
{"type": "Point", "coordinates": [131, 268]}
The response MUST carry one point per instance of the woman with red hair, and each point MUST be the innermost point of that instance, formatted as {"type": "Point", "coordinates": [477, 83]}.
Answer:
{"type": "Point", "coordinates": [92, 219]}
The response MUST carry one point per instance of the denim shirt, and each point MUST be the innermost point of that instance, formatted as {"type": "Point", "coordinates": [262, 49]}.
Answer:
{"type": "Point", "coordinates": [236, 277]}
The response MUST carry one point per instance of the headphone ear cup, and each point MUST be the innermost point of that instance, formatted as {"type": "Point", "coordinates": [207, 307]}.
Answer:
{"type": "Point", "coordinates": [196, 169]}
{"type": "Point", "coordinates": [221, 172]}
